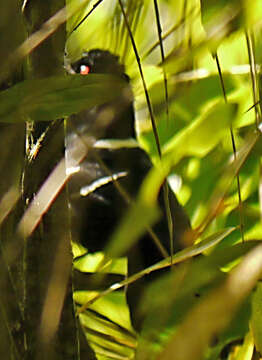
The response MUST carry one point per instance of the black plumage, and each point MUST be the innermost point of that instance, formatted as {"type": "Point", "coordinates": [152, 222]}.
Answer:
{"type": "Point", "coordinates": [98, 213]}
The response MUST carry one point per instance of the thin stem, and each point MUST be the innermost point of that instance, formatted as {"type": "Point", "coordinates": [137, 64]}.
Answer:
{"type": "Point", "coordinates": [159, 30]}
{"type": "Point", "coordinates": [174, 28]}
{"type": "Point", "coordinates": [165, 187]}
{"type": "Point", "coordinates": [221, 78]}
{"type": "Point", "coordinates": [253, 75]}
{"type": "Point", "coordinates": [149, 105]}
{"type": "Point", "coordinates": [240, 203]}
{"type": "Point", "coordinates": [86, 16]}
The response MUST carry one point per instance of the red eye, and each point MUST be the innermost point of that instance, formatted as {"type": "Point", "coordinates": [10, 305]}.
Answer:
{"type": "Point", "coordinates": [84, 69]}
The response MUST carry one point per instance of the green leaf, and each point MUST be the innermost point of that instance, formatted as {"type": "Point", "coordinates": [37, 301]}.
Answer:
{"type": "Point", "coordinates": [253, 12]}
{"type": "Point", "coordinates": [237, 329]}
{"type": "Point", "coordinates": [220, 18]}
{"type": "Point", "coordinates": [197, 139]}
{"type": "Point", "coordinates": [175, 293]}
{"type": "Point", "coordinates": [107, 326]}
{"type": "Point", "coordinates": [214, 313]}
{"type": "Point", "coordinates": [256, 316]}
{"type": "Point", "coordinates": [203, 134]}
{"type": "Point", "coordinates": [91, 263]}
{"type": "Point", "coordinates": [205, 269]}
{"type": "Point", "coordinates": [247, 349]}
{"type": "Point", "coordinates": [55, 97]}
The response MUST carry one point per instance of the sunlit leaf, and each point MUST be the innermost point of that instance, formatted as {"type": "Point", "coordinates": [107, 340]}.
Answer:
{"type": "Point", "coordinates": [177, 258]}
{"type": "Point", "coordinates": [256, 317]}
{"type": "Point", "coordinates": [220, 18]}
{"type": "Point", "coordinates": [106, 324]}
{"type": "Point", "coordinates": [91, 262]}
{"type": "Point", "coordinates": [205, 269]}
{"type": "Point", "coordinates": [253, 12]}
{"type": "Point", "coordinates": [204, 133]}
{"type": "Point", "coordinates": [197, 139]}
{"type": "Point", "coordinates": [247, 349]}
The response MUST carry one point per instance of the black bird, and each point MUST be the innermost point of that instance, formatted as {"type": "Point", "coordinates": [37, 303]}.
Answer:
{"type": "Point", "coordinates": [98, 213]}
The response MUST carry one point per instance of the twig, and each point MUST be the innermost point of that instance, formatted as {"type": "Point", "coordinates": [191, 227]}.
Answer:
{"type": "Point", "coordinates": [241, 218]}
{"type": "Point", "coordinates": [253, 75]}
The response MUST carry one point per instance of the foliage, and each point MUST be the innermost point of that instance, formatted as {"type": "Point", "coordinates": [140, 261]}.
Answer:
{"type": "Point", "coordinates": [199, 84]}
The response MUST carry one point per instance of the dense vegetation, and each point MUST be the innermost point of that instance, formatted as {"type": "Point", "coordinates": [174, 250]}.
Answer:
{"type": "Point", "coordinates": [194, 67]}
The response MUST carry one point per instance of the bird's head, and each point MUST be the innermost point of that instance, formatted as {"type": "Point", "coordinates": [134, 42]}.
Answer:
{"type": "Point", "coordinates": [99, 62]}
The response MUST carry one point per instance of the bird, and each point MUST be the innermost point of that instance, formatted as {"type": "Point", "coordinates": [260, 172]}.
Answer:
{"type": "Point", "coordinates": [98, 213]}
